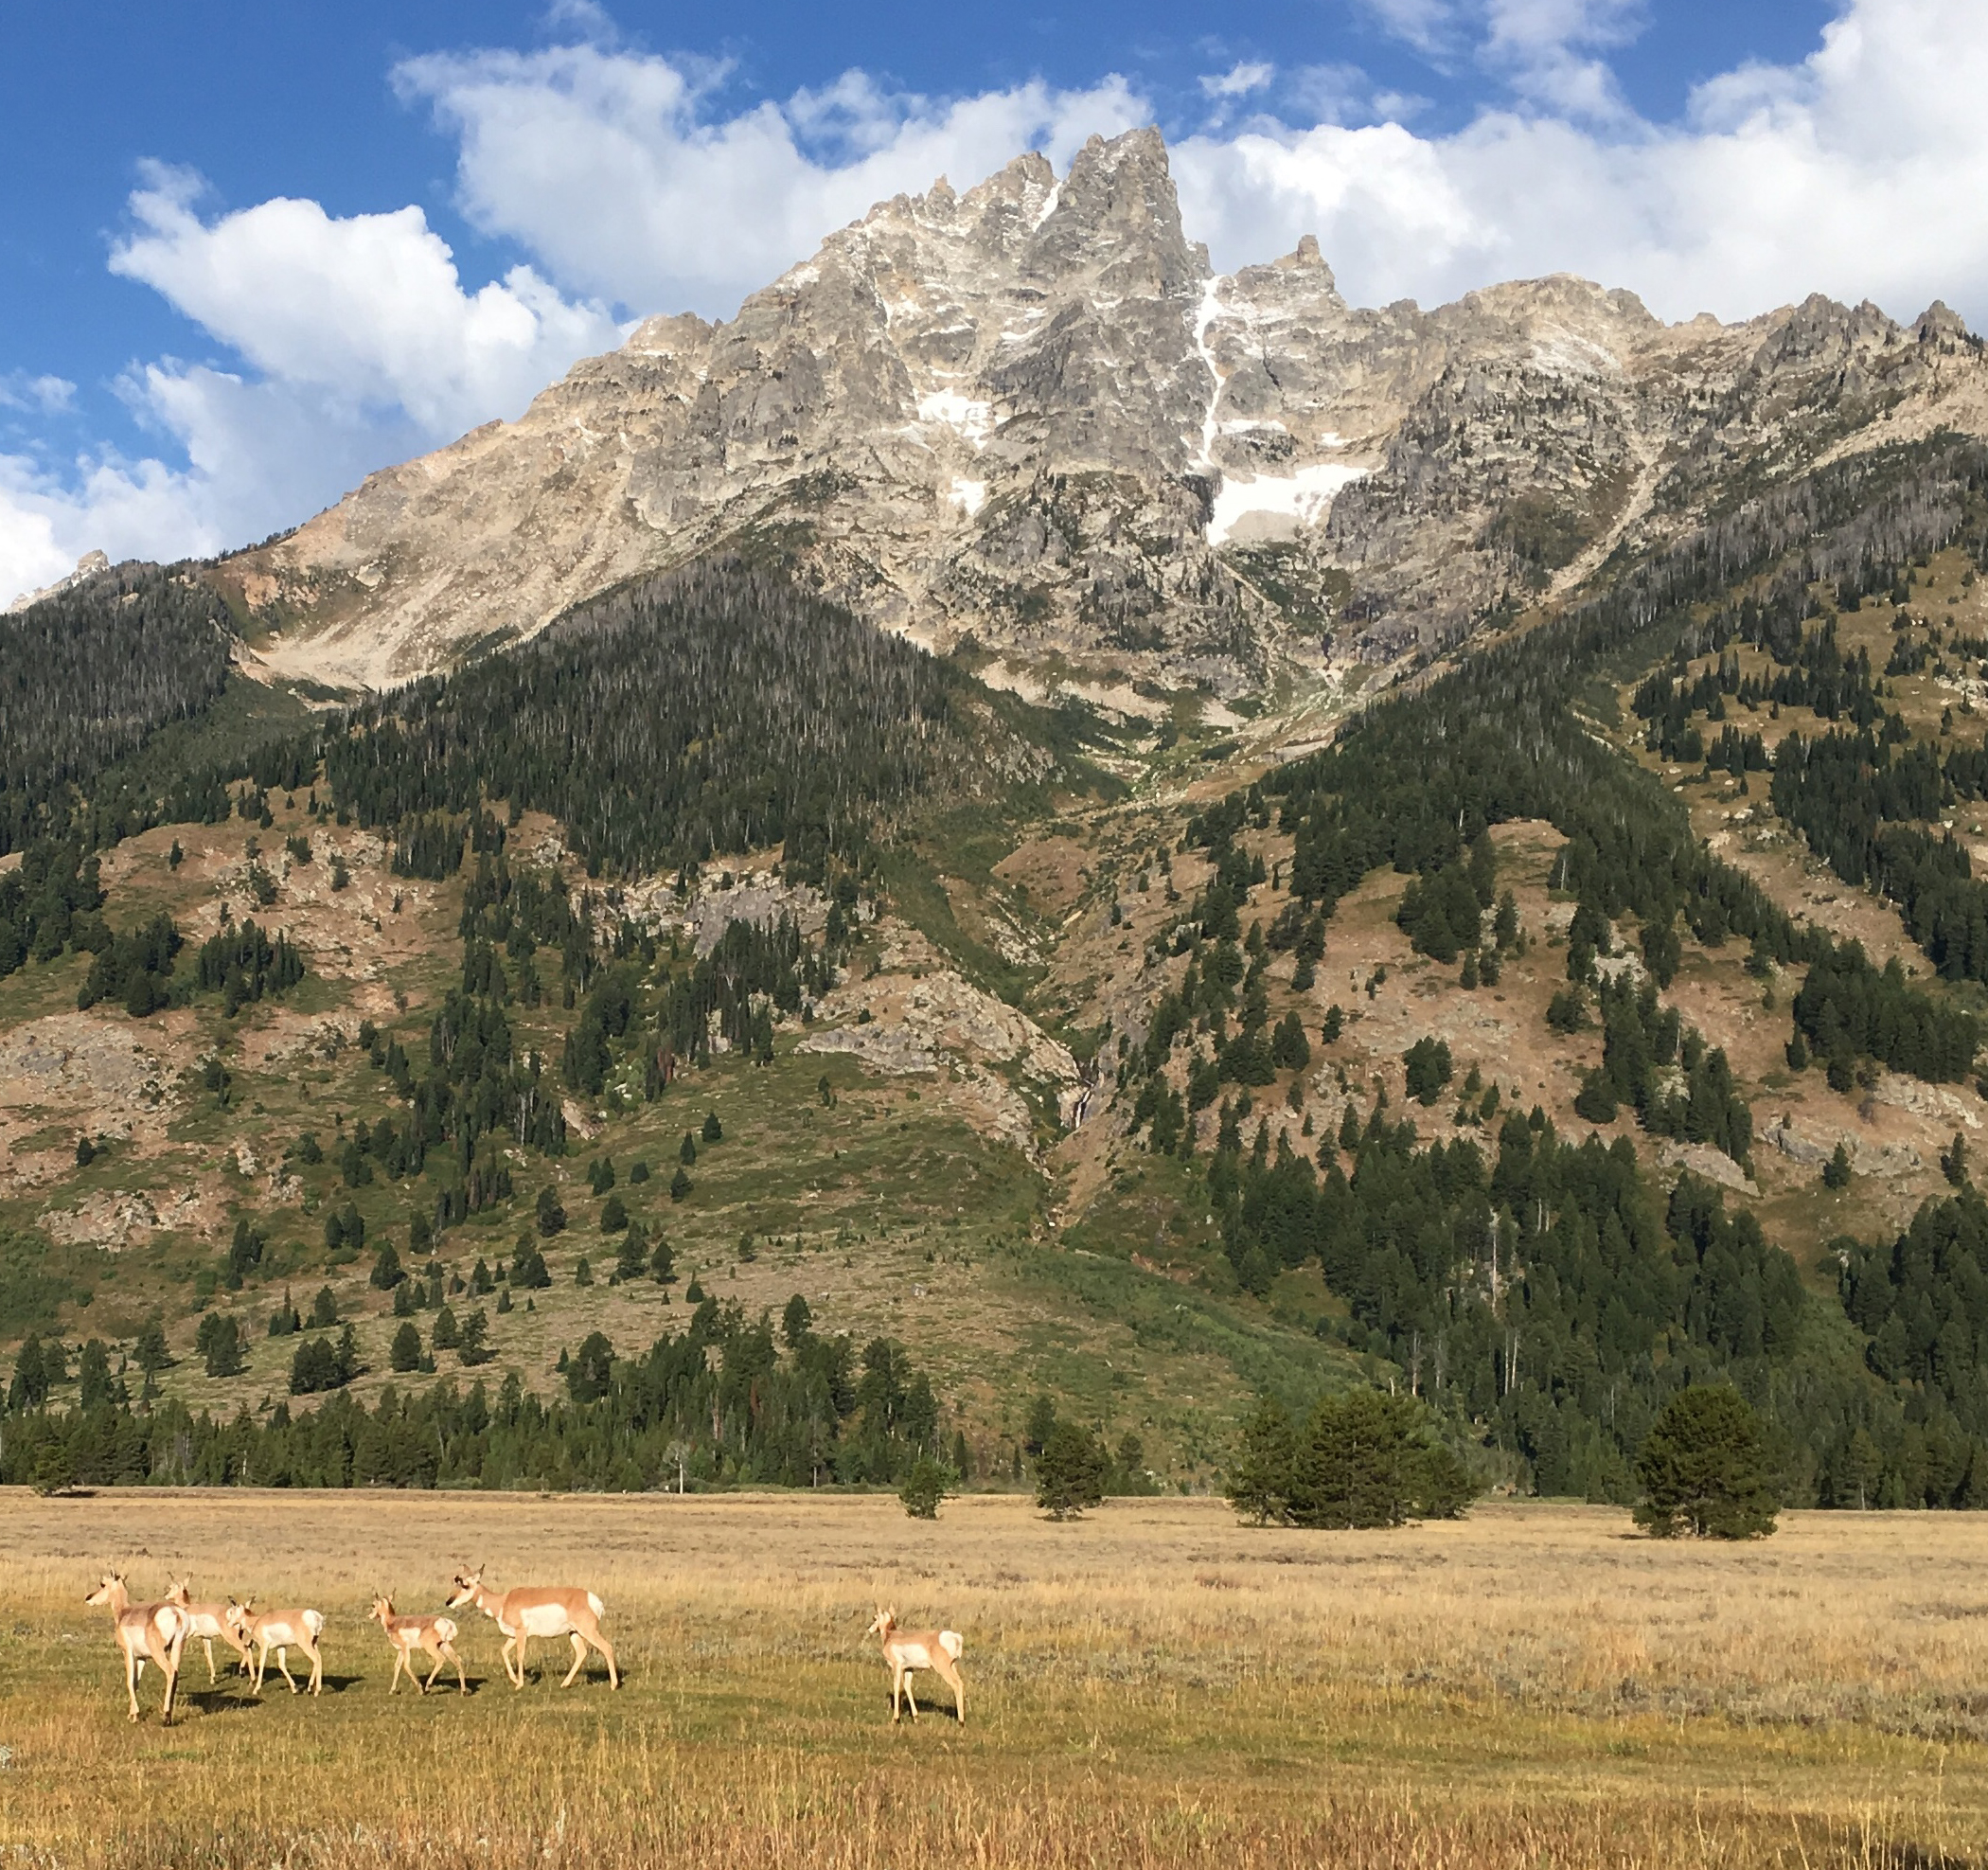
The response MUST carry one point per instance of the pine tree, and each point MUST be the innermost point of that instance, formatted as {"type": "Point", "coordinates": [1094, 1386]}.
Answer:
{"type": "Point", "coordinates": [406, 1353]}
{"type": "Point", "coordinates": [1703, 1468]}
{"type": "Point", "coordinates": [1071, 1471]}
{"type": "Point", "coordinates": [1260, 1480]}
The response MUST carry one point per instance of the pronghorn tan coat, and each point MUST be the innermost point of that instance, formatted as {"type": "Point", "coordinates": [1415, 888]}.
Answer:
{"type": "Point", "coordinates": [281, 1630]}
{"type": "Point", "coordinates": [434, 1636]}
{"type": "Point", "coordinates": [908, 1650]}
{"type": "Point", "coordinates": [208, 1624]}
{"type": "Point", "coordinates": [146, 1634]}
{"type": "Point", "coordinates": [539, 1610]}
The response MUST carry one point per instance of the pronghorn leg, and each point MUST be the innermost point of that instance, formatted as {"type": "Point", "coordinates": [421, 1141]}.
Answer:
{"type": "Point", "coordinates": [208, 1643]}
{"type": "Point", "coordinates": [951, 1675]}
{"type": "Point", "coordinates": [317, 1669]}
{"type": "Point", "coordinates": [454, 1655]}
{"type": "Point", "coordinates": [432, 1673]}
{"type": "Point", "coordinates": [131, 1667]}
{"type": "Point", "coordinates": [283, 1664]}
{"type": "Point", "coordinates": [170, 1668]}
{"type": "Point", "coordinates": [580, 1656]}
{"type": "Point", "coordinates": [517, 1645]}
{"type": "Point", "coordinates": [400, 1658]}
{"type": "Point", "coordinates": [601, 1643]}
{"type": "Point", "coordinates": [909, 1697]}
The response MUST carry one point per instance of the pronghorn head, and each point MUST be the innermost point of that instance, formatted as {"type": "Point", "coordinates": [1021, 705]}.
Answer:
{"type": "Point", "coordinates": [236, 1615]}
{"type": "Point", "coordinates": [466, 1587]}
{"type": "Point", "coordinates": [886, 1622]}
{"type": "Point", "coordinates": [180, 1592]}
{"type": "Point", "coordinates": [107, 1588]}
{"type": "Point", "coordinates": [382, 1609]}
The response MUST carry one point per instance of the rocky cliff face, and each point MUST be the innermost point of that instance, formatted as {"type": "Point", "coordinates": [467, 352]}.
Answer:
{"type": "Point", "coordinates": [1031, 414]}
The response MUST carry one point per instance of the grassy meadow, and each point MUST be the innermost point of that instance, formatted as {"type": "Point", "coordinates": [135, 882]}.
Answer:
{"type": "Point", "coordinates": [1155, 1684]}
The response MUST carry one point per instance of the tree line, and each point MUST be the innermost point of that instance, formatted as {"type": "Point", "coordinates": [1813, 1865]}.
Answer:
{"type": "Point", "coordinates": [730, 1400]}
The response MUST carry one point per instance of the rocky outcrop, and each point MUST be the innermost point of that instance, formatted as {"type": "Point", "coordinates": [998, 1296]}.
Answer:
{"type": "Point", "coordinates": [1032, 414]}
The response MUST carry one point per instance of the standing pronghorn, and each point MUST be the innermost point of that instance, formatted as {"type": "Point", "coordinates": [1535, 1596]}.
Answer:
{"type": "Point", "coordinates": [145, 1633]}
{"type": "Point", "coordinates": [210, 1624]}
{"type": "Point", "coordinates": [539, 1610]}
{"type": "Point", "coordinates": [281, 1630]}
{"type": "Point", "coordinates": [434, 1636]}
{"type": "Point", "coordinates": [908, 1650]}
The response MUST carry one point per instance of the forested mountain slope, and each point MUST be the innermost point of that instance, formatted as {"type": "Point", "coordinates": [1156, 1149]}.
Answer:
{"type": "Point", "coordinates": [716, 1039]}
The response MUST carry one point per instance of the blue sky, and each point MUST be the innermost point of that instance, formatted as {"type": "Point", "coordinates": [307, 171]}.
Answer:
{"type": "Point", "coordinates": [246, 258]}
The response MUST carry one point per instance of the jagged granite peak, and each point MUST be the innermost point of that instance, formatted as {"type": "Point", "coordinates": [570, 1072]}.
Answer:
{"type": "Point", "coordinates": [1031, 413]}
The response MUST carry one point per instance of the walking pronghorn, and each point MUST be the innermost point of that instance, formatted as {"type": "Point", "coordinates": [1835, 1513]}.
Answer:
{"type": "Point", "coordinates": [146, 1634]}
{"type": "Point", "coordinates": [434, 1636]}
{"type": "Point", "coordinates": [908, 1650]}
{"type": "Point", "coordinates": [281, 1630]}
{"type": "Point", "coordinates": [208, 1622]}
{"type": "Point", "coordinates": [539, 1610]}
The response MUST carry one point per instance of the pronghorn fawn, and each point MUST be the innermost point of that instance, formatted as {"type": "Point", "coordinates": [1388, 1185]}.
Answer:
{"type": "Point", "coordinates": [281, 1630]}
{"type": "Point", "coordinates": [208, 1624]}
{"type": "Point", "coordinates": [146, 1634]}
{"type": "Point", "coordinates": [909, 1649]}
{"type": "Point", "coordinates": [539, 1610]}
{"type": "Point", "coordinates": [434, 1636]}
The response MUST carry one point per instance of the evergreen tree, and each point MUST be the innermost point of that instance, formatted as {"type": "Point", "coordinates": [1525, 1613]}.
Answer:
{"type": "Point", "coordinates": [923, 1488]}
{"type": "Point", "coordinates": [1071, 1471]}
{"type": "Point", "coordinates": [219, 1342]}
{"type": "Point", "coordinates": [1357, 1462]}
{"type": "Point", "coordinates": [405, 1354]}
{"type": "Point", "coordinates": [1260, 1477]}
{"type": "Point", "coordinates": [1703, 1469]}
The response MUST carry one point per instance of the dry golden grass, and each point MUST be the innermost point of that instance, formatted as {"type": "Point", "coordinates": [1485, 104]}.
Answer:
{"type": "Point", "coordinates": [1155, 1685]}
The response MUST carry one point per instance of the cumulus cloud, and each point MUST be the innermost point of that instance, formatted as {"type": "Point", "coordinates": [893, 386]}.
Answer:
{"type": "Point", "coordinates": [609, 169]}
{"type": "Point", "coordinates": [361, 348]}
{"type": "Point", "coordinates": [1860, 172]}
{"type": "Point", "coordinates": [367, 309]}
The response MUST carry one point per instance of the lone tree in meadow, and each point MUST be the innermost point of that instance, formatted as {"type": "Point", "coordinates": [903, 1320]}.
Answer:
{"type": "Point", "coordinates": [1703, 1469]}
{"type": "Point", "coordinates": [1361, 1459]}
{"type": "Point", "coordinates": [925, 1488]}
{"type": "Point", "coordinates": [1071, 1471]}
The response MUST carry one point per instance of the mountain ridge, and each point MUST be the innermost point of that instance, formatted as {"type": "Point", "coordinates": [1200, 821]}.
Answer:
{"type": "Point", "coordinates": [1032, 414]}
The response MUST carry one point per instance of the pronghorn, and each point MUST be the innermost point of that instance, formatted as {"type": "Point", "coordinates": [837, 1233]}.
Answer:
{"type": "Point", "coordinates": [908, 1650]}
{"type": "Point", "coordinates": [281, 1630]}
{"type": "Point", "coordinates": [145, 1633]}
{"type": "Point", "coordinates": [435, 1636]}
{"type": "Point", "coordinates": [539, 1610]}
{"type": "Point", "coordinates": [208, 1622]}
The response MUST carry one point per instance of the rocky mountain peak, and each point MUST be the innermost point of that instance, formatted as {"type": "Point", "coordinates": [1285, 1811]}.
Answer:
{"type": "Point", "coordinates": [1030, 412]}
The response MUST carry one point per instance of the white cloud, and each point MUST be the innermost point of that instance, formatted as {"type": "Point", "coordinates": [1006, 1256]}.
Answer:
{"type": "Point", "coordinates": [609, 168]}
{"type": "Point", "coordinates": [35, 396]}
{"type": "Point", "coordinates": [1239, 81]}
{"type": "Point", "coordinates": [363, 349]}
{"type": "Point", "coordinates": [1860, 172]}
{"type": "Point", "coordinates": [368, 309]}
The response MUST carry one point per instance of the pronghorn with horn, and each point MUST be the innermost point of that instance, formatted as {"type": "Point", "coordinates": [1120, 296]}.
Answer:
{"type": "Point", "coordinates": [539, 1610]}
{"type": "Point", "coordinates": [146, 1634]}
{"type": "Point", "coordinates": [208, 1624]}
{"type": "Point", "coordinates": [281, 1630]}
{"type": "Point", "coordinates": [433, 1636]}
{"type": "Point", "coordinates": [908, 1650]}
